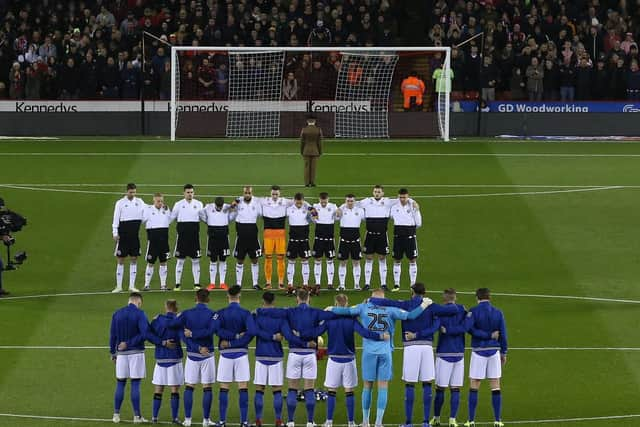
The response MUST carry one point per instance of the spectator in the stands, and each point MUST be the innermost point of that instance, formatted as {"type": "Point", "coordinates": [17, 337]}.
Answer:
{"type": "Point", "coordinates": [290, 87]}
{"type": "Point", "coordinates": [584, 74]}
{"type": "Point", "coordinates": [633, 82]}
{"type": "Point", "coordinates": [320, 35]}
{"type": "Point", "coordinates": [130, 78]}
{"type": "Point", "coordinates": [471, 70]}
{"type": "Point", "coordinates": [48, 49]}
{"type": "Point", "coordinates": [488, 79]}
{"type": "Point", "coordinates": [110, 80]}
{"type": "Point", "coordinates": [70, 80]}
{"type": "Point", "coordinates": [535, 76]}
{"type": "Point", "coordinates": [619, 80]}
{"type": "Point", "coordinates": [551, 80]}
{"type": "Point", "coordinates": [206, 80]}
{"type": "Point", "coordinates": [567, 81]}
{"type": "Point", "coordinates": [88, 77]}
{"type": "Point", "coordinates": [222, 80]}
{"type": "Point", "coordinates": [412, 90]}
{"type": "Point", "coordinates": [165, 82]}
{"type": "Point", "coordinates": [627, 42]}
{"type": "Point", "coordinates": [517, 85]}
{"type": "Point", "coordinates": [601, 82]}
{"type": "Point", "coordinates": [34, 82]}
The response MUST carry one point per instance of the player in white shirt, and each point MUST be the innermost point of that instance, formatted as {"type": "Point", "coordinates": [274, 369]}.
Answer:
{"type": "Point", "coordinates": [324, 243]}
{"type": "Point", "coordinates": [350, 218]}
{"type": "Point", "coordinates": [157, 218]}
{"type": "Point", "coordinates": [299, 217]}
{"type": "Point", "coordinates": [127, 217]}
{"type": "Point", "coordinates": [187, 214]}
{"type": "Point", "coordinates": [248, 210]}
{"type": "Point", "coordinates": [406, 219]}
{"type": "Point", "coordinates": [217, 216]}
{"type": "Point", "coordinates": [376, 242]}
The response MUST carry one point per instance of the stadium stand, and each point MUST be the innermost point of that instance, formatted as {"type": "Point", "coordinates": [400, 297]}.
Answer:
{"type": "Point", "coordinates": [93, 49]}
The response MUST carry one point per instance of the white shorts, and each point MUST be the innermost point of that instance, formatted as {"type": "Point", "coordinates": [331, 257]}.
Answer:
{"type": "Point", "coordinates": [449, 374]}
{"type": "Point", "coordinates": [130, 366]}
{"type": "Point", "coordinates": [272, 375]}
{"type": "Point", "coordinates": [418, 364]}
{"type": "Point", "coordinates": [341, 374]}
{"type": "Point", "coordinates": [200, 371]}
{"type": "Point", "coordinates": [170, 375]}
{"type": "Point", "coordinates": [485, 367]}
{"type": "Point", "coordinates": [302, 366]}
{"type": "Point", "coordinates": [234, 370]}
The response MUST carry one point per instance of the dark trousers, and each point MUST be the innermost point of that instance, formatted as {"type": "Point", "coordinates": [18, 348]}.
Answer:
{"type": "Point", "coordinates": [310, 163]}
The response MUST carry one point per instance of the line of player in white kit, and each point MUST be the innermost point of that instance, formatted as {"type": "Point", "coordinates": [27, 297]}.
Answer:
{"type": "Point", "coordinates": [376, 211]}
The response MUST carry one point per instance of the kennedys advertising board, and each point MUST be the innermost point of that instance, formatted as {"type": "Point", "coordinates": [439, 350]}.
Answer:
{"type": "Point", "coordinates": [554, 107]}
{"type": "Point", "coordinates": [184, 106]}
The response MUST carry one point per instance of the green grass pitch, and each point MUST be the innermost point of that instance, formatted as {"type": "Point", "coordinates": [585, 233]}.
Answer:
{"type": "Point", "coordinates": [522, 218]}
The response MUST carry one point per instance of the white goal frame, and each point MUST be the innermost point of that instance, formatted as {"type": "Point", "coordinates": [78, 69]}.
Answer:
{"type": "Point", "coordinates": [442, 103]}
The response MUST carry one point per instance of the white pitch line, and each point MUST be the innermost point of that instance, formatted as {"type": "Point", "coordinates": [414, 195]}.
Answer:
{"type": "Point", "coordinates": [290, 153]}
{"type": "Point", "coordinates": [544, 421]}
{"type": "Point", "coordinates": [433, 196]}
{"type": "Point", "coordinates": [503, 294]}
{"type": "Point", "coordinates": [325, 185]}
{"type": "Point", "coordinates": [90, 347]}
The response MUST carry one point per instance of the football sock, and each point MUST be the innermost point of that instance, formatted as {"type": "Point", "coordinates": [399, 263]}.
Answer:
{"type": "Point", "coordinates": [382, 405]}
{"type": "Point", "coordinates": [119, 275]}
{"type": "Point", "coordinates": [268, 268]}
{"type": "Point", "coordinates": [148, 274]}
{"type": "Point", "coordinates": [317, 270]}
{"type": "Point", "coordinates": [223, 404]}
{"type": "Point", "coordinates": [258, 403]}
{"type": "Point", "coordinates": [292, 401]}
{"type": "Point", "coordinates": [175, 405]}
{"type": "Point", "coordinates": [291, 270]}
{"type": "Point", "coordinates": [222, 271]}
{"type": "Point", "coordinates": [342, 274]}
{"type": "Point", "coordinates": [356, 273]}
{"type": "Point", "coordinates": [244, 405]}
{"type": "Point", "coordinates": [438, 402]}
{"type": "Point", "coordinates": [195, 269]}
{"type": "Point", "coordinates": [188, 401]}
{"type": "Point", "coordinates": [427, 393]}
{"type": "Point", "coordinates": [133, 271]}
{"type": "Point", "coordinates": [119, 396]}
{"type": "Point", "coordinates": [331, 405]}
{"type": "Point", "coordinates": [305, 272]}
{"type": "Point", "coordinates": [213, 271]}
{"type": "Point", "coordinates": [239, 271]}
{"type": "Point", "coordinates": [473, 404]}
{"type": "Point", "coordinates": [280, 266]}
{"type": "Point", "coordinates": [157, 401]}
{"type": "Point", "coordinates": [351, 405]}
{"type": "Point", "coordinates": [409, 396]}
{"type": "Point", "coordinates": [368, 270]}
{"type": "Point", "coordinates": [455, 402]}
{"type": "Point", "coordinates": [162, 271]}
{"type": "Point", "coordinates": [330, 271]}
{"type": "Point", "coordinates": [179, 267]}
{"type": "Point", "coordinates": [366, 404]}
{"type": "Point", "coordinates": [135, 396]}
{"type": "Point", "coordinates": [496, 402]}
{"type": "Point", "coordinates": [207, 399]}
{"type": "Point", "coordinates": [382, 269]}
{"type": "Point", "coordinates": [277, 404]}
{"type": "Point", "coordinates": [310, 403]}
{"type": "Point", "coordinates": [255, 271]}
{"type": "Point", "coordinates": [397, 271]}
{"type": "Point", "coordinates": [413, 272]}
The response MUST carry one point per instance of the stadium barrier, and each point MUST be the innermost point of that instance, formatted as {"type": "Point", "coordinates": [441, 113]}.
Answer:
{"type": "Point", "coordinates": [126, 118]}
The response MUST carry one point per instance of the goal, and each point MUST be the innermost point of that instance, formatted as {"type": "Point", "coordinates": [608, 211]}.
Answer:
{"type": "Point", "coordinates": [267, 92]}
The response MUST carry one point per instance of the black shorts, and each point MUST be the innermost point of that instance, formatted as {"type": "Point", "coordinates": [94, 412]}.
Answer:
{"type": "Point", "coordinates": [348, 250]}
{"type": "Point", "coordinates": [157, 249]}
{"type": "Point", "coordinates": [298, 249]}
{"type": "Point", "coordinates": [128, 245]}
{"type": "Point", "coordinates": [247, 247]}
{"type": "Point", "coordinates": [324, 247]}
{"type": "Point", "coordinates": [376, 244]}
{"type": "Point", "coordinates": [405, 246]}
{"type": "Point", "coordinates": [218, 248]}
{"type": "Point", "coordinates": [188, 240]}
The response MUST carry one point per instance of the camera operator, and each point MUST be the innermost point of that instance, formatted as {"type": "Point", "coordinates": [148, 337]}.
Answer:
{"type": "Point", "coordinates": [6, 237]}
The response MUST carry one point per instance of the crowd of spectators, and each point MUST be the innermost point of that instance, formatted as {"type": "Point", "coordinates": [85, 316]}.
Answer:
{"type": "Point", "coordinates": [531, 49]}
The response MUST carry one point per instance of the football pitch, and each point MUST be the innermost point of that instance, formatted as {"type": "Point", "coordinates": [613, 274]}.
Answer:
{"type": "Point", "coordinates": [551, 228]}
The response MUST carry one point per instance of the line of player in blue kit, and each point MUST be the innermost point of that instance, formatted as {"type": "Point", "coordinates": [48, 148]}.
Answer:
{"type": "Point", "coordinates": [302, 326]}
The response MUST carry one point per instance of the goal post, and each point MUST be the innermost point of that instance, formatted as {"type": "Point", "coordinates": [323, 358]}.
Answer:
{"type": "Point", "coordinates": [266, 92]}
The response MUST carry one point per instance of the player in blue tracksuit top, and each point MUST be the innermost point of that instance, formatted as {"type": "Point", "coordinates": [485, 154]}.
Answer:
{"type": "Point", "coordinates": [341, 367]}
{"type": "Point", "coordinates": [488, 354]}
{"type": "Point", "coordinates": [168, 370]}
{"type": "Point", "coordinates": [128, 333]}
{"type": "Point", "coordinates": [417, 338]}
{"type": "Point", "coordinates": [269, 370]}
{"type": "Point", "coordinates": [199, 325]}
{"type": "Point", "coordinates": [376, 355]}
{"type": "Point", "coordinates": [450, 357]}
{"type": "Point", "coordinates": [234, 360]}
{"type": "Point", "coordinates": [301, 362]}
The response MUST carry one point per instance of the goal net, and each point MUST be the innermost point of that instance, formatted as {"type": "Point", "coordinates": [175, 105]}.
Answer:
{"type": "Point", "coordinates": [356, 93]}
